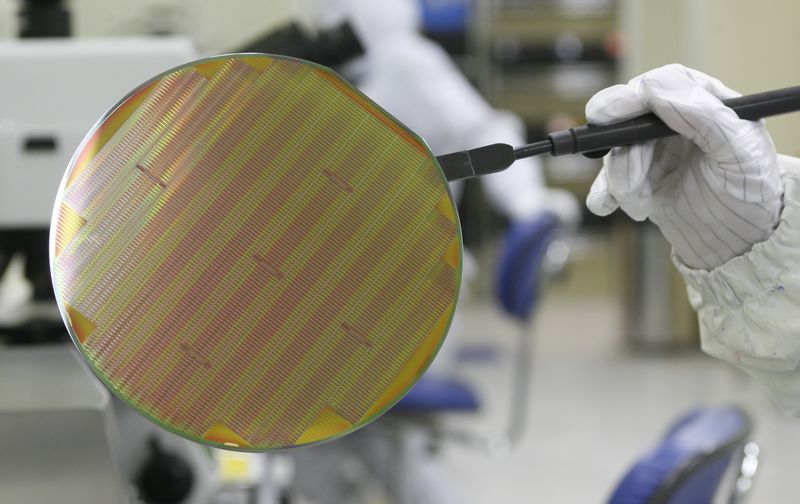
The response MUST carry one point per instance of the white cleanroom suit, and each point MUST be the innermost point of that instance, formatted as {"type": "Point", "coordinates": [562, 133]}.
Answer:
{"type": "Point", "coordinates": [728, 204]}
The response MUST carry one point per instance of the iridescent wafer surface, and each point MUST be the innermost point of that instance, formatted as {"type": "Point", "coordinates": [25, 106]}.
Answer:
{"type": "Point", "coordinates": [254, 255]}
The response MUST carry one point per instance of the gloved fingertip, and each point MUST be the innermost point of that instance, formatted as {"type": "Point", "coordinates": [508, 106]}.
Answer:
{"type": "Point", "coordinates": [614, 104]}
{"type": "Point", "coordinates": [638, 210]}
{"type": "Point", "coordinates": [601, 204]}
{"type": "Point", "coordinates": [687, 107]}
{"type": "Point", "coordinates": [627, 169]}
{"type": "Point", "coordinates": [710, 84]}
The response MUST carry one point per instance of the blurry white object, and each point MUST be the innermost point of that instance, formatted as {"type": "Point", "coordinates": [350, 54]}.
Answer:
{"type": "Point", "coordinates": [51, 93]}
{"type": "Point", "coordinates": [416, 81]}
{"type": "Point", "coordinates": [714, 190]}
{"type": "Point", "coordinates": [373, 465]}
{"type": "Point", "coordinates": [56, 440]}
{"type": "Point", "coordinates": [252, 478]}
{"type": "Point", "coordinates": [15, 292]}
{"type": "Point", "coordinates": [8, 19]}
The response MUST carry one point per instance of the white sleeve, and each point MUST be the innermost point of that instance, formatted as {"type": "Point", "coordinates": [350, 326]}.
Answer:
{"type": "Point", "coordinates": [749, 307]}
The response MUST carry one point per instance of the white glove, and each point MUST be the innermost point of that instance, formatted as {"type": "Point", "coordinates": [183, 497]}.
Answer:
{"type": "Point", "coordinates": [714, 191]}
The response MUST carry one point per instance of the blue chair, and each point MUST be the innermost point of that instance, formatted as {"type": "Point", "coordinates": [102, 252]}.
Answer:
{"type": "Point", "coordinates": [433, 394]}
{"type": "Point", "coordinates": [523, 268]}
{"type": "Point", "coordinates": [445, 16]}
{"type": "Point", "coordinates": [698, 460]}
{"type": "Point", "coordinates": [519, 277]}
{"type": "Point", "coordinates": [519, 280]}
{"type": "Point", "coordinates": [703, 455]}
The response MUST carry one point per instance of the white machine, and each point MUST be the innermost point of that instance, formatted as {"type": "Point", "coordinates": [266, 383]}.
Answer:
{"type": "Point", "coordinates": [59, 439]}
{"type": "Point", "coordinates": [51, 93]}
{"type": "Point", "coordinates": [52, 90]}
{"type": "Point", "coordinates": [63, 437]}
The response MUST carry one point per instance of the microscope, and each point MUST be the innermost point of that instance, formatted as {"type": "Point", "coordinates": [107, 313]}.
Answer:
{"type": "Point", "coordinates": [63, 437]}
{"type": "Point", "coordinates": [53, 90]}
{"type": "Point", "coordinates": [59, 431]}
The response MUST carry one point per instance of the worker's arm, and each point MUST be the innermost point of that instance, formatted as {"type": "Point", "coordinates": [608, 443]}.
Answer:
{"type": "Point", "coordinates": [749, 307]}
{"type": "Point", "coordinates": [714, 190]}
{"type": "Point", "coordinates": [728, 204]}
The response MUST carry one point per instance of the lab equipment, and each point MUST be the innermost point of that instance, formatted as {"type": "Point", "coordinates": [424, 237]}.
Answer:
{"type": "Point", "coordinates": [36, 142]}
{"type": "Point", "coordinates": [42, 121]}
{"type": "Point", "coordinates": [62, 420]}
{"type": "Point", "coordinates": [596, 140]}
{"type": "Point", "coordinates": [236, 255]}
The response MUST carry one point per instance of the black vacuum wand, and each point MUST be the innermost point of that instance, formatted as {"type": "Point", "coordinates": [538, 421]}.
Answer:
{"type": "Point", "coordinates": [595, 141]}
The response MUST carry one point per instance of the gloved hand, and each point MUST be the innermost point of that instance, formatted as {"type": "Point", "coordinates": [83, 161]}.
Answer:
{"type": "Point", "coordinates": [714, 190]}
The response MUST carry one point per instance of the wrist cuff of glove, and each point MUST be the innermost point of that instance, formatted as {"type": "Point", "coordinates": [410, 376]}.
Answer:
{"type": "Point", "coordinates": [758, 272]}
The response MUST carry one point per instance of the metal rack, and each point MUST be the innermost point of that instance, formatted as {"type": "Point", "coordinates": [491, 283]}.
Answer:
{"type": "Point", "coordinates": [543, 59]}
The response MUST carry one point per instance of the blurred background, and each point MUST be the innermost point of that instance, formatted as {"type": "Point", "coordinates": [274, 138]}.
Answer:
{"type": "Point", "coordinates": [549, 394]}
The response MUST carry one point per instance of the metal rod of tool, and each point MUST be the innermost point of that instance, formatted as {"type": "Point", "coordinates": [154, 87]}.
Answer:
{"type": "Point", "coordinates": [595, 141]}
